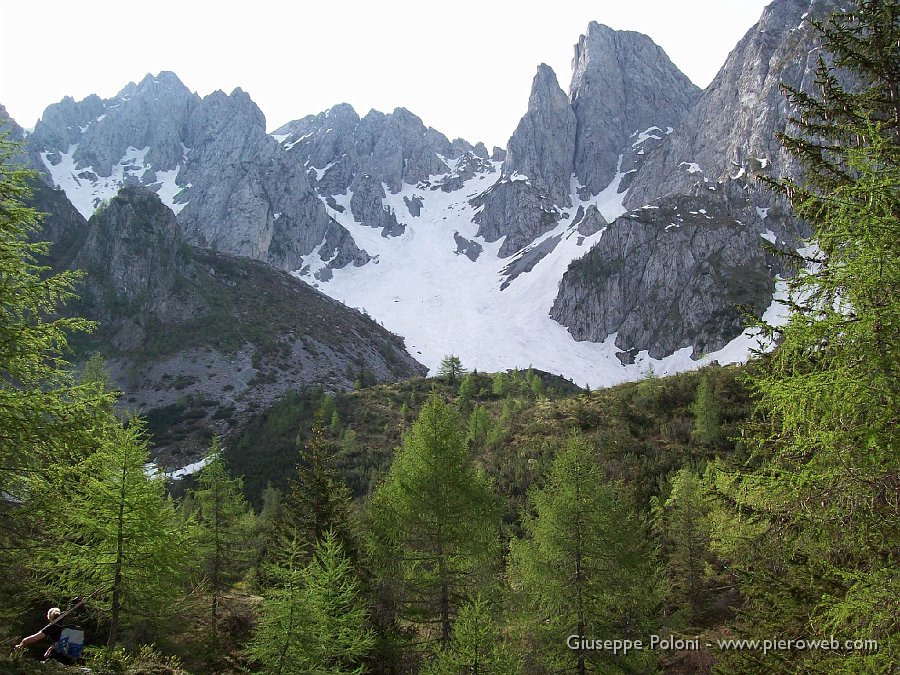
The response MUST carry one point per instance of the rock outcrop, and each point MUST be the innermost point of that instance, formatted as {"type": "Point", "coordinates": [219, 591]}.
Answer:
{"type": "Point", "coordinates": [729, 136]}
{"type": "Point", "coordinates": [337, 146]}
{"type": "Point", "coordinates": [665, 277]}
{"type": "Point", "coordinates": [343, 153]}
{"type": "Point", "coordinates": [626, 96]}
{"type": "Point", "coordinates": [660, 287]}
{"type": "Point", "coordinates": [202, 331]}
{"type": "Point", "coordinates": [9, 126]}
{"type": "Point", "coordinates": [542, 148]}
{"type": "Point", "coordinates": [516, 210]}
{"type": "Point", "coordinates": [133, 257]}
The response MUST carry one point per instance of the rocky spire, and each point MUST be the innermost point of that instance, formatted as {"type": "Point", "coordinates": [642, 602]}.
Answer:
{"type": "Point", "coordinates": [543, 145]}
{"type": "Point", "coordinates": [622, 83]}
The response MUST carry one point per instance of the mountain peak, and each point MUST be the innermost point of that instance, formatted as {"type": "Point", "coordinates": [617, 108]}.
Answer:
{"type": "Point", "coordinates": [165, 81]}
{"type": "Point", "coordinates": [545, 76]}
{"type": "Point", "coordinates": [543, 144]}
{"type": "Point", "coordinates": [341, 110]}
{"type": "Point", "coordinates": [730, 134]}
{"type": "Point", "coordinates": [8, 125]}
{"type": "Point", "coordinates": [622, 83]}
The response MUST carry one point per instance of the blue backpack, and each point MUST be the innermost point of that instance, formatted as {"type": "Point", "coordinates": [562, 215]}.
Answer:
{"type": "Point", "coordinates": [70, 643]}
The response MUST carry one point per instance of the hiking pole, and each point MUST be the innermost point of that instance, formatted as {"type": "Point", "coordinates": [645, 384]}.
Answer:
{"type": "Point", "coordinates": [78, 603]}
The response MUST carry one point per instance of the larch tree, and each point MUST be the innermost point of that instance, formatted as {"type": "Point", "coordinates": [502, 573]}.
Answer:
{"type": "Point", "coordinates": [707, 429]}
{"type": "Point", "coordinates": [477, 646]}
{"type": "Point", "coordinates": [340, 636]}
{"type": "Point", "coordinates": [224, 520]}
{"type": "Point", "coordinates": [282, 632]}
{"type": "Point", "coordinates": [312, 618]}
{"type": "Point", "coordinates": [435, 522]}
{"type": "Point", "coordinates": [811, 525]}
{"type": "Point", "coordinates": [118, 534]}
{"type": "Point", "coordinates": [584, 566]}
{"type": "Point", "coordinates": [451, 369]}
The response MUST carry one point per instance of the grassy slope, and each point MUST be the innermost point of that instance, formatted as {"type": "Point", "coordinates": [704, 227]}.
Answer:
{"type": "Point", "coordinates": [642, 430]}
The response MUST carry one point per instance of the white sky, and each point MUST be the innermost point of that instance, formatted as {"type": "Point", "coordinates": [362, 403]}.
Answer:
{"type": "Point", "coordinates": [464, 66]}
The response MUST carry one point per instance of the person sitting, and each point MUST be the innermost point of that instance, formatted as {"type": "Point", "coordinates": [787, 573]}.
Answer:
{"type": "Point", "coordinates": [53, 632]}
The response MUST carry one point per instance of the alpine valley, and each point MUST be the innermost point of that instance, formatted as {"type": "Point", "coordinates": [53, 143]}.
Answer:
{"type": "Point", "coordinates": [623, 229]}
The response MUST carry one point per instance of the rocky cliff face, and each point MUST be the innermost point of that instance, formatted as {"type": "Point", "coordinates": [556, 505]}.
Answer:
{"type": "Point", "coordinates": [152, 114]}
{"type": "Point", "coordinates": [134, 259]}
{"type": "Point", "coordinates": [625, 97]}
{"type": "Point", "coordinates": [715, 156]}
{"type": "Point", "coordinates": [622, 85]}
{"type": "Point", "coordinates": [665, 277]}
{"type": "Point", "coordinates": [210, 160]}
{"type": "Point", "coordinates": [542, 148]}
{"type": "Point", "coordinates": [729, 136]}
{"type": "Point", "coordinates": [365, 157]}
{"type": "Point", "coordinates": [9, 126]}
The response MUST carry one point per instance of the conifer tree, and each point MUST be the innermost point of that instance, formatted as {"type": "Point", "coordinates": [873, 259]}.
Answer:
{"type": "Point", "coordinates": [340, 637]}
{"type": "Point", "coordinates": [118, 534]}
{"type": "Point", "coordinates": [478, 427]}
{"type": "Point", "coordinates": [451, 369]}
{"type": "Point", "coordinates": [468, 388]}
{"type": "Point", "coordinates": [811, 526]}
{"type": "Point", "coordinates": [312, 619]}
{"type": "Point", "coordinates": [683, 523]}
{"type": "Point", "coordinates": [500, 384]}
{"type": "Point", "coordinates": [707, 429]}
{"type": "Point", "coordinates": [536, 384]}
{"type": "Point", "coordinates": [584, 566]}
{"type": "Point", "coordinates": [266, 526]}
{"type": "Point", "coordinates": [435, 523]}
{"type": "Point", "coordinates": [283, 628]}
{"type": "Point", "coordinates": [477, 646]}
{"type": "Point", "coordinates": [318, 500]}
{"type": "Point", "coordinates": [223, 516]}
{"type": "Point", "coordinates": [46, 417]}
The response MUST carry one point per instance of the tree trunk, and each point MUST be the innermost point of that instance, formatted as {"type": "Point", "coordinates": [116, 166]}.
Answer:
{"type": "Point", "coordinates": [579, 601]}
{"type": "Point", "coordinates": [444, 592]}
{"type": "Point", "coordinates": [217, 561]}
{"type": "Point", "coordinates": [117, 576]}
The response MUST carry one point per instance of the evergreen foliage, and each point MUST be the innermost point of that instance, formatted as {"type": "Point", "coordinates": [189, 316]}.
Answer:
{"type": "Point", "coordinates": [340, 636]}
{"type": "Point", "coordinates": [451, 369]}
{"type": "Point", "coordinates": [318, 501]}
{"type": "Point", "coordinates": [282, 635]}
{"type": "Point", "coordinates": [500, 384]}
{"type": "Point", "coordinates": [682, 521]}
{"type": "Point", "coordinates": [117, 533]}
{"type": "Point", "coordinates": [585, 566]}
{"type": "Point", "coordinates": [477, 646]}
{"type": "Point", "coordinates": [478, 427]}
{"type": "Point", "coordinates": [812, 526]}
{"type": "Point", "coordinates": [265, 532]}
{"type": "Point", "coordinates": [707, 429]}
{"type": "Point", "coordinates": [312, 620]}
{"type": "Point", "coordinates": [45, 415]}
{"type": "Point", "coordinates": [468, 389]}
{"type": "Point", "coordinates": [435, 523]}
{"type": "Point", "coordinates": [224, 520]}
